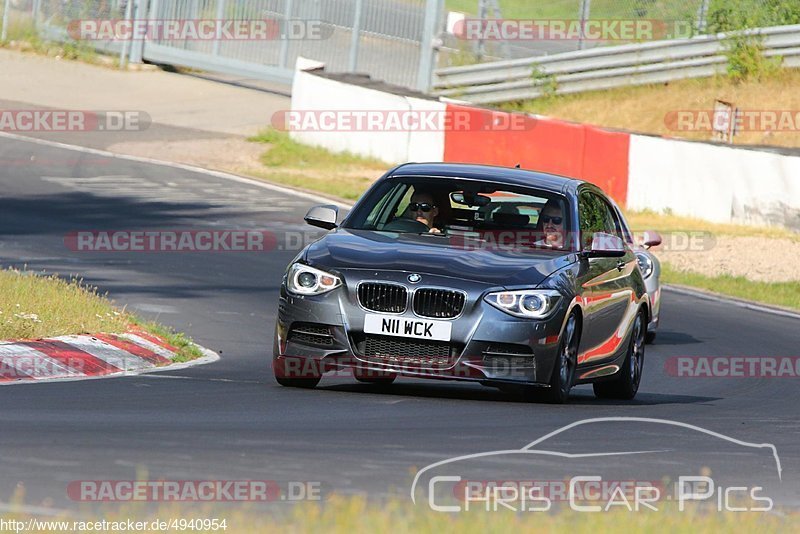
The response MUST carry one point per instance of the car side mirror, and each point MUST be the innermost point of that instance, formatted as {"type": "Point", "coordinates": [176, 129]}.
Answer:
{"type": "Point", "coordinates": [322, 216]}
{"type": "Point", "coordinates": [605, 246]}
{"type": "Point", "coordinates": [651, 239]}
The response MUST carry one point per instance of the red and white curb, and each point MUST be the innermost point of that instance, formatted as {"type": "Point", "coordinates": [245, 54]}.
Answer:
{"type": "Point", "coordinates": [81, 357]}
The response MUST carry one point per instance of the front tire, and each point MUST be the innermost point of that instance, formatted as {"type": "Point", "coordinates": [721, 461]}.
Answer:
{"type": "Point", "coordinates": [563, 376]}
{"type": "Point", "coordinates": [650, 337]}
{"type": "Point", "coordinates": [626, 384]}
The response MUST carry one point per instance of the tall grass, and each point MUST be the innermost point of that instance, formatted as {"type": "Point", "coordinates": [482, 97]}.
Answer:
{"type": "Point", "coordinates": [34, 306]}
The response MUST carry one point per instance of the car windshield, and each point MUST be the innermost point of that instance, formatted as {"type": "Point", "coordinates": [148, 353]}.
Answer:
{"type": "Point", "coordinates": [517, 216]}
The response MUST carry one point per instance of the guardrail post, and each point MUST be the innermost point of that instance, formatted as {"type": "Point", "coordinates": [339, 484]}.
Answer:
{"type": "Point", "coordinates": [4, 33]}
{"type": "Point", "coordinates": [483, 14]}
{"type": "Point", "coordinates": [428, 46]}
{"type": "Point", "coordinates": [284, 57]}
{"type": "Point", "coordinates": [218, 36]}
{"type": "Point", "coordinates": [137, 45]}
{"type": "Point", "coordinates": [702, 16]}
{"type": "Point", "coordinates": [586, 6]}
{"type": "Point", "coordinates": [35, 12]}
{"type": "Point", "coordinates": [123, 54]}
{"type": "Point", "coordinates": [355, 38]}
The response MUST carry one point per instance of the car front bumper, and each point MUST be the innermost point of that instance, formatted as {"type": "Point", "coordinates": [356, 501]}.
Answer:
{"type": "Point", "coordinates": [325, 333]}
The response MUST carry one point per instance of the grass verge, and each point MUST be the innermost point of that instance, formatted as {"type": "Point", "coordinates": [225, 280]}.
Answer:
{"type": "Point", "coordinates": [291, 163]}
{"type": "Point", "coordinates": [22, 36]}
{"type": "Point", "coordinates": [784, 294]}
{"type": "Point", "coordinates": [665, 223]}
{"type": "Point", "coordinates": [34, 306]}
{"type": "Point", "coordinates": [652, 108]}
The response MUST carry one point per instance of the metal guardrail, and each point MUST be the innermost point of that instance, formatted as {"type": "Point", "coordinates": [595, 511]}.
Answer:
{"type": "Point", "coordinates": [605, 68]}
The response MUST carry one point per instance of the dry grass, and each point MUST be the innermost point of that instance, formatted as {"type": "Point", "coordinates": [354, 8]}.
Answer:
{"type": "Point", "coordinates": [291, 163]}
{"type": "Point", "coordinates": [644, 108]}
{"type": "Point", "coordinates": [783, 294]}
{"type": "Point", "coordinates": [640, 221]}
{"type": "Point", "coordinates": [36, 306]}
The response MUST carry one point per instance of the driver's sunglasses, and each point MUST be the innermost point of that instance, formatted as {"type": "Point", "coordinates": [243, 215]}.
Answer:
{"type": "Point", "coordinates": [555, 220]}
{"type": "Point", "coordinates": [423, 206]}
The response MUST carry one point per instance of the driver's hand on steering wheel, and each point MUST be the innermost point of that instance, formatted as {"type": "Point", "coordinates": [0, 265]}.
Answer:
{"type": "Point", "coordinates": [433, 229]}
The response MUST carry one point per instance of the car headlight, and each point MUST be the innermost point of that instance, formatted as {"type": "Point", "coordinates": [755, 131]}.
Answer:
{"type": "Point", "coordinates": [645, 264]}
{"type": "Point", "coordinates": [527, 303]}
{"type": "Point", "coordinates": [305, 280]}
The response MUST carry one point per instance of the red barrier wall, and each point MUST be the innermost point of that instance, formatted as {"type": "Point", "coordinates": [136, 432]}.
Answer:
{"type": "Point", "coordinates": [547, 145]}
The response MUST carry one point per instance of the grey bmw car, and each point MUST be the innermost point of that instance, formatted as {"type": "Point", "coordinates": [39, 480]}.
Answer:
{"type": "Point", "coordinates": [506, 277]}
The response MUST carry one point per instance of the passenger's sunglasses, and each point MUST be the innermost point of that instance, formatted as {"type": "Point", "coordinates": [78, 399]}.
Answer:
{"type": "Point", "coordinates": [547, 218]}
{"type": "Point", "coordinates": [423, 206]}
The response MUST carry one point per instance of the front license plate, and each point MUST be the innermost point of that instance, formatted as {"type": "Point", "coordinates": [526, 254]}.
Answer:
{"type": "Point", "coordinates": [390, 325]}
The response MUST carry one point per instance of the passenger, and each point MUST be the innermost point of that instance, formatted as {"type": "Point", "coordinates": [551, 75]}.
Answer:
{"type": "Point", "coordinates": [551, 224]}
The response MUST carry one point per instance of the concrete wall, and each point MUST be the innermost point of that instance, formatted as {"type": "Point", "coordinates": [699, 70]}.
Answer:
{"type": "Point", "coordinates": [315, 93]}
{"type": "Point", "coordinates": [715, 183]}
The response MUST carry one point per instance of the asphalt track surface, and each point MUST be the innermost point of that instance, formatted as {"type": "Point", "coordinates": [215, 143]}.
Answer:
{"type": "Point", "coordinates": [230, 420]}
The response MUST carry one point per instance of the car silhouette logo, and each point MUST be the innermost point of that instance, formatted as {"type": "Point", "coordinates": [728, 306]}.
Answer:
{"type": "Point", "coordinates": [414, 278]}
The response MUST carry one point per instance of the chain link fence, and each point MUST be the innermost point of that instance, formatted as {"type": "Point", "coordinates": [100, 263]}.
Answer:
{"type": "Point", "coordinates": [671, 19]}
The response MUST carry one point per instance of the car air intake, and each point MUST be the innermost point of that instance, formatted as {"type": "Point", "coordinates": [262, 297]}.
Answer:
{"type": "Point", "coordinates": [389, 298]}
{"type": "Point", "coordinates": [438, 303]}
{"type": "Point", "coordinates": [398, 351]}
{"type": "Point", "coordinates": [310, 334]}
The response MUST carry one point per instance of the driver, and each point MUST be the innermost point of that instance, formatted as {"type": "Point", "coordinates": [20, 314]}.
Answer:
{"type": "Point", "coordinates": [422, 209]}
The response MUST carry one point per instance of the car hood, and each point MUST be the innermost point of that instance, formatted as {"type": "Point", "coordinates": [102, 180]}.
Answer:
{"type": "Point", "coordinates": [436, 255]}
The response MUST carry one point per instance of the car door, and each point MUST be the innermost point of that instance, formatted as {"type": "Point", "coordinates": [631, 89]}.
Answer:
{"type": "Point", "coordinates": [607, 291]}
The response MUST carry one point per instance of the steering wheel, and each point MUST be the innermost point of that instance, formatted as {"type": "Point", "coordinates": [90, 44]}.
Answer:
{"type": "Point", "coordinates": [406, 225]}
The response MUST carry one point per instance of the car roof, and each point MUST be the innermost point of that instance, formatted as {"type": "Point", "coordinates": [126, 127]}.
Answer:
{"type": "Point", "coordinates": [490, 173]}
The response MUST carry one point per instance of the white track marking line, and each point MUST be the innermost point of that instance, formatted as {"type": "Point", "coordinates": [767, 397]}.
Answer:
{"type": "Point", "coordinates": [191, 168]}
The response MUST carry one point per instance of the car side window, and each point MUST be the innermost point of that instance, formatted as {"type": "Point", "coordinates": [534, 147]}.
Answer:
{"type": "Point", "coordinates": [591, 217]}
{"type": "Point", "coordinates": [404, 202]}
{"type": "Point", "coordinates": [610, 222]}
{"type": "Point", "coordinates": [623, 226]}
{"type": "Point", "coordinates": [377, 216]}
{"type": "Point", "coordinates": [596, 216]}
